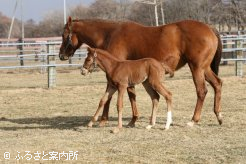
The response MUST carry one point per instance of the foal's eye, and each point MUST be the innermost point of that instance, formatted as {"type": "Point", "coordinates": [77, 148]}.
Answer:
{"type": "Point", "coordinates": [87, 59]}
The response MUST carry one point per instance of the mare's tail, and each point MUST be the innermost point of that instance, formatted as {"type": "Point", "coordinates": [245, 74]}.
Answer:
{"type": "Point", "coordinates": [217, 57]}
{"type": "Point", "coordinates": [167, 69]}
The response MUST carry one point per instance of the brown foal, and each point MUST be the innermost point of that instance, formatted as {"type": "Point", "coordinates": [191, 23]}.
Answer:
{"type": "Point", "coordinates": [123, 74]}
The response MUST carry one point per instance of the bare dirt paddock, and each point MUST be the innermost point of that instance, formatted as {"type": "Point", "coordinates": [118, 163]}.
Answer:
{"type": "Point", "coordinates": [49, 125]}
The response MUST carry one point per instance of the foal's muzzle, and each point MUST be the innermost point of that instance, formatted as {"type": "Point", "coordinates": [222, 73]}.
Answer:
{"type": "Point", "coordinates": [84, 71]}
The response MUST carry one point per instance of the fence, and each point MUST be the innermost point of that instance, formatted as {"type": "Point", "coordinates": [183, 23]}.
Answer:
{"type": "Point", "coordinates": [235, 46]}
{"type": "Point", "coordinates": [42, 56]}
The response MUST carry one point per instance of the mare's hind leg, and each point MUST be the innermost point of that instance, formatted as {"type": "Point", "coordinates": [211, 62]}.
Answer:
{"type": "Point", "coordinates": [216, 83]}
{"type": "Point", "coordinates": [201, 90]}
{"type": "Point", "coordinates": [132, 98]}
{"type": "Point", "coordinates": [155, 100]}
{"type": "Point", "coordinates": [108, 94]}
{"type": "Point", "coordinates": [168, 96]}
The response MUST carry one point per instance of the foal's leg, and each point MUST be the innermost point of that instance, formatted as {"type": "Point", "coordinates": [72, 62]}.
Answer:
{"type": "Point", "coordinates": [201, 90]}
{"type": "Point", "coordinates": [108, 94]}
{"type": "Point", "coordinates": [104, 117]}
{"type": "Point", "coordinates": [155, 100]}
{"type": "Point", "coordinates": [168, 96]}
{"type": "Point", "coordinates": [216, 83]}
{"type": "Point", "coordinates": [121, 91]}
{"type": "Point", "coordinates": [132, 98]}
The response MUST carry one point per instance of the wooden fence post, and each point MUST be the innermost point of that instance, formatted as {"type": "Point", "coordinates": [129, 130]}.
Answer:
{"type": "Point", "coordinates": [239, 55]}
{"type": "Point", "coordinates": [20, 47]}
{"type": "Point", "coordinates": [225, 46]}
{"type": "Point", "coordinates": [51, 69]}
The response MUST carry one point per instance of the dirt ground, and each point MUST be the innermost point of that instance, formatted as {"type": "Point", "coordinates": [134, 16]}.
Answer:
{"type": "Point", "coordinates": [49, 125]}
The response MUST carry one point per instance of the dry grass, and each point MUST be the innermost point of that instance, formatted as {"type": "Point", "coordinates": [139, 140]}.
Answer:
{"type": "Point", "coordinates": [38, 119]}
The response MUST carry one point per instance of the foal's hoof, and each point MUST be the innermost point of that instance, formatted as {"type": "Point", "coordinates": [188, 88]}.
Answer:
{"type": "Point", "coordinates": [191, 123]}
{"type": "Point", "coordinates": [131, 125]}
{"type": "Point", "coordinates": [166, 127]}
{"type": "Point", "coordinates": [149, 127]}
{"type": "Point", "coordinates": [102, 123]}
{"type": "Point", "coordinates": [90, 124]}
{"type": "Point", "coordinates": [115, 130]}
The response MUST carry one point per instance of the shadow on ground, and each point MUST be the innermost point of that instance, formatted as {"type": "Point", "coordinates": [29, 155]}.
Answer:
{"type": "Point", "coordinates": [59, 122]}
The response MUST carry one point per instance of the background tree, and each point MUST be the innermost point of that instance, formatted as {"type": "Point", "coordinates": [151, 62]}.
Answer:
{"type": "Point", "coordinates": [227, 15]}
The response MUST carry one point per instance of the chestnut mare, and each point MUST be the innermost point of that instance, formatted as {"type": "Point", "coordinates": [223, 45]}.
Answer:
{"type": "Point", "coordinates": [127, 73]}
{"type": "Point", "coordinates": [174, 44]}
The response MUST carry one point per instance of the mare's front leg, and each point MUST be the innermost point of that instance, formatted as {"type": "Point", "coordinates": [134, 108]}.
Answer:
{"type": "Point", "coordinates": [132, 98]}
{"type": "Point", "coordinates": [201, 90]}
{"type": "Point", "coordinates": [107, 95]}
{"type": "Point", "coordinates": [121, 91]}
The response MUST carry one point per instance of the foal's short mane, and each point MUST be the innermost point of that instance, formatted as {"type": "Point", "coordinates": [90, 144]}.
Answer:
{"type": "Point", "coordinates": [107, 54]}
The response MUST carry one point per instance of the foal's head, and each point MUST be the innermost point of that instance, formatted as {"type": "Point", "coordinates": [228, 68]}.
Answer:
{"type": "Point", "coordinates": [89, 63]}
{"type": "Point", "coordinates": [70, 41]}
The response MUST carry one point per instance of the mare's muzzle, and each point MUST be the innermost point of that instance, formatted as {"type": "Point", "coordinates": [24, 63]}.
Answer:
{"type": "Point", "coordinates": [62, 57]}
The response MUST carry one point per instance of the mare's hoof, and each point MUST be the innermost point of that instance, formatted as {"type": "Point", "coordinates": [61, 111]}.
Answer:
{"type": "Point", "coordinates": [220, 121]}
{"type": "Point", "coordinates": [115, 130]}
{"type": "Point", "coordinates": [219, 117]}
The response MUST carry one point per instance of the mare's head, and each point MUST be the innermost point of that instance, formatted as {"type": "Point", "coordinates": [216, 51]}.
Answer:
{"type": "Point", "coordinates": [70, 42]}
{"type": "Point", "coordinates": [89, 63]}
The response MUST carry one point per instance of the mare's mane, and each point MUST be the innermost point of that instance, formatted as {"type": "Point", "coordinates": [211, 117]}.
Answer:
{"type": "Point", "coordinates": [99, 21]}
{"type": "Point", "coordinates": [105, 21]}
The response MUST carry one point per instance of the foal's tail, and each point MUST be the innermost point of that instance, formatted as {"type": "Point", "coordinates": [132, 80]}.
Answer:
{"type": "Point", "coordinates": [217, 57]}
{"type": "Point", "coordinates": [167, 69]}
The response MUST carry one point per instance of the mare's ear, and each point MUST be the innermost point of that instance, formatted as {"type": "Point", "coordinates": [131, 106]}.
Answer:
{"type": "Point", "coordinates": [69, 22]}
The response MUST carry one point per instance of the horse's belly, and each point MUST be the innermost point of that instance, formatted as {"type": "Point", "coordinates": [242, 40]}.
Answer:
{"type": "Point", "coordinates": [133, 82]}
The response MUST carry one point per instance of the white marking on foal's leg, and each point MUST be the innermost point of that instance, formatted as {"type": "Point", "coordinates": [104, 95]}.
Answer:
{"type": "Point", "coordinates": [169, 120]}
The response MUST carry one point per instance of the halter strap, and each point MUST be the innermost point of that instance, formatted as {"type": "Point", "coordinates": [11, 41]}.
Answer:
{"type": "Point", "coordinates": [69, 38]}
{"type": "Point", "coordinates": [94, 60]}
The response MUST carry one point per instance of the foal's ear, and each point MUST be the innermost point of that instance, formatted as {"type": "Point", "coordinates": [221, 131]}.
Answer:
{"type": "Point", "coordinates": [89, 49]}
